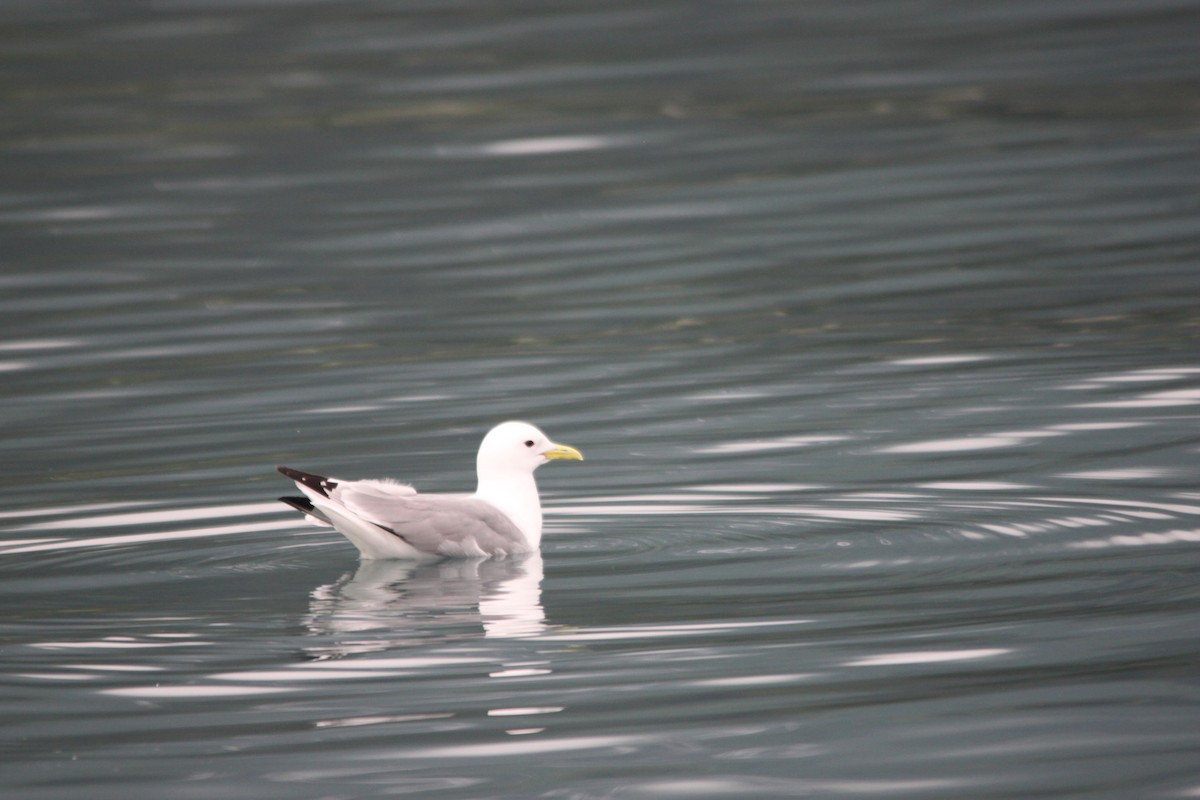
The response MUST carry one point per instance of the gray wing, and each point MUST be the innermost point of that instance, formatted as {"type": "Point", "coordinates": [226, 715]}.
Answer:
{"type": "Point", "coordinates": [448, 524]}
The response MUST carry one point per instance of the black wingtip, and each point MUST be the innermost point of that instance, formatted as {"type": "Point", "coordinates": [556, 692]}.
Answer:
{"type": "Point", "coordinates": [301, 504]}
{"type": "Point", "coordinates": [318, 483]}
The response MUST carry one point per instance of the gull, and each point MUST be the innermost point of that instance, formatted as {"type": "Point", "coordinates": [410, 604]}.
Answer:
{"type": "Point", "coordinates": [387, 519]}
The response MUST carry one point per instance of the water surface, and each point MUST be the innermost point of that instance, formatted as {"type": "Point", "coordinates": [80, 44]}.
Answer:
{"type": "Point", "coordinates": [876, 323]}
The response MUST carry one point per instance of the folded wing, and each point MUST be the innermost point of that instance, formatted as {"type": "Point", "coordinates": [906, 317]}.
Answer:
{"type": "Point", "coordinates": [385, 519]}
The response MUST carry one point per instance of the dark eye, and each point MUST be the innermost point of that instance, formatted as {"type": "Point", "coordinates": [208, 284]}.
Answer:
{"type": "Point", "coordinates": [529, 443]}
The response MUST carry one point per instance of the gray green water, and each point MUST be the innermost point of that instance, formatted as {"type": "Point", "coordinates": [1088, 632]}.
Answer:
{"type": "Point", "coordinates": [877, 323]}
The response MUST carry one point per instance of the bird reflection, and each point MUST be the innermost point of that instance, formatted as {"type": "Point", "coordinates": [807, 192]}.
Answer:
{"type": "Point", "coordinates": [385, 604]}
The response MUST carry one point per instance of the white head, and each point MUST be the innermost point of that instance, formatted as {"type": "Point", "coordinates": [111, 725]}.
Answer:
{"type": "Point", "coordinates": [509, 454]}
{"type": "Point", "coordinates": [518, 448]}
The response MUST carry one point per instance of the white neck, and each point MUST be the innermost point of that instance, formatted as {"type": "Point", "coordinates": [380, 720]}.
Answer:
{"type": "Point", "coordinates": [517, 496]}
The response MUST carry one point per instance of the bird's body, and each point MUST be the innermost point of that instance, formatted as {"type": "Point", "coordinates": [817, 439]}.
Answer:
{"type": "Point", "coordinates": [386, 519]}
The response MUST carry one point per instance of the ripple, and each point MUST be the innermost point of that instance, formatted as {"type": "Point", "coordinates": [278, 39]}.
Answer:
{"type": "Point", "coordinates": [1151, 375]}
{"type": "Point", "coordinates": [942, 360]}
{"type": "Point", "coordinates": [755, 680]}
{"type": "Point", "coordinates": [926, 657]}
{"type": "Point", "coordinates": [536, 146]}
{"type": "Point", "coordinates": [383, 719]}
{"type": "Point", "coordinates": [630, 633]}
{"type": "Point", "coordinates": [969, 443]}
{"type": "Point", "coordinates": [156, 537]}
{"type": "Point", "coordinates": [115, 643]}
{"type": "Point", "coordinates": [1055, 515]}
{"type": "Point", "coordinates": [733, 523]}
{"type": "Point", "coordinates": [524, 747]}
{"type": "Point", "coordinates": [1140, 540]}
{"type": "Point", "coordinates": [522, 711]}
{"type": "Point", "coordinates": [114, 667]}
{"type": "Point", "coordinates": [55, 676]}
{"type": "Point", "coordinates": [780, 443]}
{"type": "Point", "coordinates": [1127, 474]}
{"type": "Point", "coordinates": [755, 488]}
{"type": "Point", "coordinates": [151, 517]}
{"type": "Point", "coordinates": [975, 486]}
{"type": "Point", "coordinates": [1098, 426]}
{"type": "Point", "coordinates": [193, 692]}
{"type": "Point", "coordinates": [831, 511]}
{"type": "Point", "coordinates": [1165, 399]}
{"type": "Point", "coordinates": [28, 345]}
{"type": "Point", "coordinates": [68, 509]}
{"type": "Point", "coordinates": [288, 675]}
{"type": "Point", "coordinates": [519, 672]}
{"type": "Point", "coordinates": [155, 525]}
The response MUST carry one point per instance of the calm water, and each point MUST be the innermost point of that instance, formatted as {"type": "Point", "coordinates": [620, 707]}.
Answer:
{"type": "Point", "coordinates": [877, 322]}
